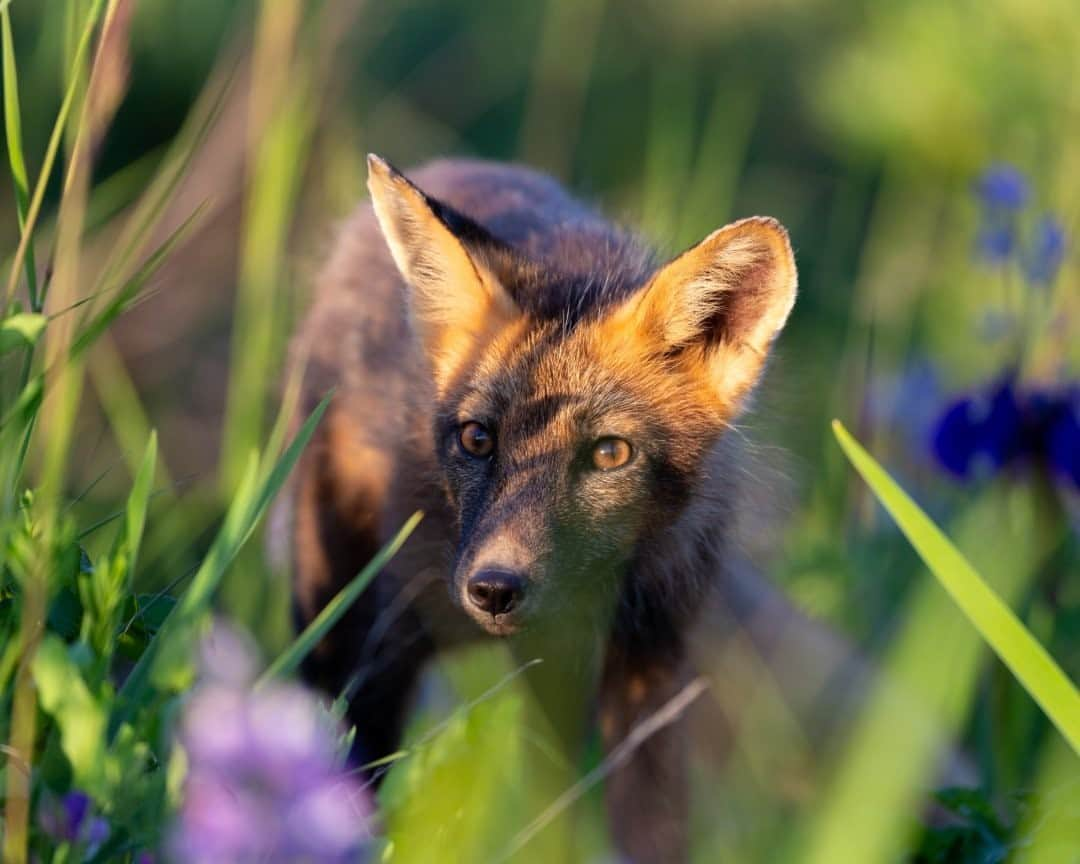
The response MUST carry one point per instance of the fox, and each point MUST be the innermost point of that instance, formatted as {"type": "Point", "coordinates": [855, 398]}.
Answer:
{"type": "Point", "coordinates": [561, 404]}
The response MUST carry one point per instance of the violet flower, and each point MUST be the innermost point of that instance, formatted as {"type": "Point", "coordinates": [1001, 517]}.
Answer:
{"type": "Point", "coordinates": [1006, 425]}
{"type": "Point", "coordinates": [264, 781]}
{"type": "Point", "coordinates": [70, 820]}
{"type": "Point", "coordinates": [1002, 187]}
{"type": "Point", "coordinates": [1046, 253]}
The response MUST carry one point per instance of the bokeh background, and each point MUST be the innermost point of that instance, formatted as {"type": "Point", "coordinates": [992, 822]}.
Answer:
{"type": "Point", "coordinates": [880, 134]}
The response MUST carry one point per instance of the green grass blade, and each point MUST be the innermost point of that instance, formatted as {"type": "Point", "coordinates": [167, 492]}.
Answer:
{"type": "Point", "coordinates": [52, 149]}
{"type": "Point", "coordinates": [253, 496]}
{"type": "Point", "coordinates": [154, 202]}
{"type": "Point", "coordinates": [130, 535]}
{"type": "Point", "coordinates": [292, 657]}
{"type": "Point", "coordinates": [13, 128]}
{"type": "Point", "coordinates": [1033, 667]}
{"type": "Point", "coordinates": [129, 291]}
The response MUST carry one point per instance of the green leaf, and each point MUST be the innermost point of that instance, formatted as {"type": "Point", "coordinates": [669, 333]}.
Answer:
{"type": "Point", "coordinates": [1033, 667]}
{"type": "Point", "coordinates": [21, 331]}
{"type": "Point", "coordinates": [79, 717]}
{"type": "Point", "coordinates": [294, 655]}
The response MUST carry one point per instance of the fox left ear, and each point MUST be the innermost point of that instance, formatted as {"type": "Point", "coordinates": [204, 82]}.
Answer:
{"type": "Point", "coordinates": [454, 300]}
{"type": "Point", "coordinates": [719, 305]}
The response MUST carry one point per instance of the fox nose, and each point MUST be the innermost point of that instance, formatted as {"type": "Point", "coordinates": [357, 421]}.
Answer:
{"type": "Point", "coordinates": [495, 591]}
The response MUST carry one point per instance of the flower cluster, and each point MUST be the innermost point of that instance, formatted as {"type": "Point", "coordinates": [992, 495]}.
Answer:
{"type": "Point", "coordinates": [1003, 193]}
{"type": "Point", "coordinates": [1007, 425]}
{"type": "Point", "coordinates": [264, 782]}
{"type": "Point", "coordinates": [1007, 422]}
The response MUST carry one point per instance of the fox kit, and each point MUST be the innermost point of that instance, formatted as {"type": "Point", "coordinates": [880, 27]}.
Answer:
{"type": "Point", "coordinates": [557, 401]}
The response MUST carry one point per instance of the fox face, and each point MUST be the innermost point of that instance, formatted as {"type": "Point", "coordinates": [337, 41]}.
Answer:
{"type": "Point", "coordinates": [568, 437]}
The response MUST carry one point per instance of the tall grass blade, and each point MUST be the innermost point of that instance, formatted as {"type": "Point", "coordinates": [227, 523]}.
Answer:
{"type": "Point", "coordinates": [256, 490]}
{"type": "Point", "coordinates": [1033, 667]}
{"type": "Point", "coordinates": [130, 536]}
{"type": "Point", "coordinates": [13, 129]}
{"type": "Point", "coordinates": [294, 655]}
{"type": "Point", "coordinates": [52, 149]}
{"type": "Point", "coordinates": [129, 291]}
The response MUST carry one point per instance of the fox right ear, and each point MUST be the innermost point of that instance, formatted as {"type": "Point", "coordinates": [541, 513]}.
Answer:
{"type": "Point", "coordinates": [454, 300]}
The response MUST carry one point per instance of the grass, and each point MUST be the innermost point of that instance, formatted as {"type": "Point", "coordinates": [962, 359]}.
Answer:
{"type": "Point", "coordinates": [107, 585]}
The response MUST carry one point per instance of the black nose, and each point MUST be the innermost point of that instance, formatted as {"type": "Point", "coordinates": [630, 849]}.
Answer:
{"type": "Point", "coordinates": [496, 592]}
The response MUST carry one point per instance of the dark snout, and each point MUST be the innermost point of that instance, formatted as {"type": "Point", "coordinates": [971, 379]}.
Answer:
{"type": "Point", "coordinates": [496, 592]}
{"type": "Point", "coordinates": [499, 571]}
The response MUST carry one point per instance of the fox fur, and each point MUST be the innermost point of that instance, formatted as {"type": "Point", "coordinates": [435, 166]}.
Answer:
{"type": "Point", "coordinates": [477, 292]}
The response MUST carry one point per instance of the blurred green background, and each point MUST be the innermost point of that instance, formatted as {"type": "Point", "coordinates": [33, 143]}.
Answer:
{"type": "Point", "coordinates": [860, 125]}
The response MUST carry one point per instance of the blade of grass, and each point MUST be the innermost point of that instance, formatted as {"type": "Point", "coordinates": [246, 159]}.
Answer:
{"type": "Point", "coordinates": [294, 655]}
{"type": "Point", "coordinates": [1033, 667]}
{"type": "Point", "coordinates": [148, 212]}
{"type": "Point", "coordinates": [252, 497]}
{"type": "Point", "coordinates": [128, 292]}
{"type": "Point", "coordinates": [120, 402]}
{"type": "Point", "coordinates": [13, 128]}
{"type": "Point", "coordinates": [897, 747]}
{"type": "Point", "coordinates": [130, 535]}
{"type": "Point", "coordinates": [51, 150]}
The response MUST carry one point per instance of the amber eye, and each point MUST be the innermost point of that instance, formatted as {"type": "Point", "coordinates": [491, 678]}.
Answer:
{"type": "Point", "coordinates": [611, 453]}
{"type": "Point", "coordinates": [476, 440]}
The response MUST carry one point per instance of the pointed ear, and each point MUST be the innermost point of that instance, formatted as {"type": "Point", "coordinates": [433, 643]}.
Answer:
{"type": "Point", "coordinates": [454, 300]}
{"type": "Point", "coordinates": [719, 305]}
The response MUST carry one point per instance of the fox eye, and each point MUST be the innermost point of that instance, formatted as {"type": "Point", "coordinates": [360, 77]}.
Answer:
{"type": "Point", "coordinates": [476, 440]}
{"type": "Point", "coordinates": [610, 453]}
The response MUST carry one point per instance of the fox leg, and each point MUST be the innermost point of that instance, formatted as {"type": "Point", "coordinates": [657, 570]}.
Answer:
{"type": "Point", "coordinates": [375, 653]}
{"type": "Point", "coordinates": [647, 796]}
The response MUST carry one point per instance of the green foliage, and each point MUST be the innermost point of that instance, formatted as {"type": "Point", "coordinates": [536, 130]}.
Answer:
{"type": "Point", "coordinates": [996, 623]}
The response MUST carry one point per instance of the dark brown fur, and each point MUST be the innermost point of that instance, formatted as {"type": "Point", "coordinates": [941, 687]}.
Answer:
{"type": "Point", "coordinates": [594, 340]}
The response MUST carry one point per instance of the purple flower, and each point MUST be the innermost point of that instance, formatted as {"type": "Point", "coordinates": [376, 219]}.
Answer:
{"type": "Point", "coordinates": [1047, 252]}
{"type": "Point", "coordinates": [987, 431]}
{"type": "Point", "coordinates": [1002, 187]}
{"type": "Point", "coordinates": [264, 781]}
{"type": "Point", "coordinates": [1063, 439]}
{"type": "Point", "coordinates": [996, 241]}
{"type": "Point", "coordinates": [69, 820]}
{"type": "Point", "coordinates": [984, 428]}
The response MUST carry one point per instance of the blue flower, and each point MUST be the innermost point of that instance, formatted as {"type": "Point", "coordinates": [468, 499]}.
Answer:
{"type": "Point", "coordinates": [1046, 253]}
{"type": "Point", "coordinates": [1002, 187]}
{"type": "Point", "coordinates": [985, 432]}
{"type": "Point", "coordinates": [1063, 440]}
{"type": "Point", "coordinates": [995, 243]}
{"type": "Point", "coordinates": [982, 429]}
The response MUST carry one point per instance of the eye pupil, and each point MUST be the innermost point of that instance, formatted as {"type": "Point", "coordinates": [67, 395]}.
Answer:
{"type": "Point", "coordinates": [476, 440]}
{"type": "Point", "coordinates": [611, 453]}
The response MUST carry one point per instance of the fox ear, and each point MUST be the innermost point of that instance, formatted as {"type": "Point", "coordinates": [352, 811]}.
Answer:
{"type": "Point", "coordinates": [454, 300]}
{"type": "Point", "coordinates": [719, 305]}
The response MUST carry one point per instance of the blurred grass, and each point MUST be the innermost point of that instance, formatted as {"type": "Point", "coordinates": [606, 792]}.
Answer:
{"type": "Point", "coordinates": [859, 127]}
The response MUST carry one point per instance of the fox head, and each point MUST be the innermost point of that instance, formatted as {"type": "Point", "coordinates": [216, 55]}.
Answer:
{"type": "Point", "coordinates": [566, 439]}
